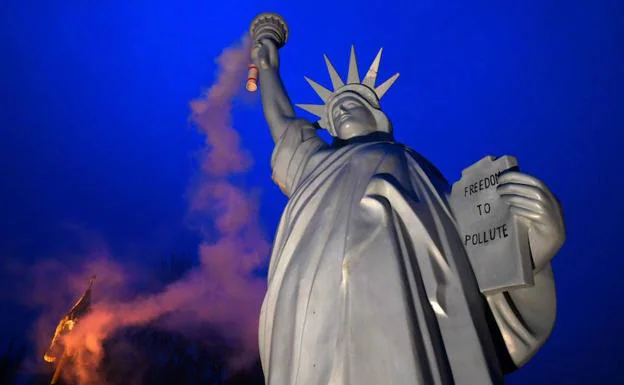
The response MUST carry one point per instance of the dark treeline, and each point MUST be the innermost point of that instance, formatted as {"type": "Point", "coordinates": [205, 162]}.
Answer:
{"type": "Point", "coordinates": [149, 354]}
{"type": "Point", "coordinates": [11, 360]}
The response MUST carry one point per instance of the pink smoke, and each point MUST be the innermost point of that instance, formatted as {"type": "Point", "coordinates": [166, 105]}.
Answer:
{"type": "Point", "coordinates": [223, 291]}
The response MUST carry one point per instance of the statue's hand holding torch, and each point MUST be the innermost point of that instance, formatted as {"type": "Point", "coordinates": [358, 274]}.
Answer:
{"type": "Point", "coordinates": [268, 33]}
{"type": "Point", "coordinates": [264, 54]}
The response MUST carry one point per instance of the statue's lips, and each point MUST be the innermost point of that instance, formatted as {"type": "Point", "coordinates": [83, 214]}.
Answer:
{"type": "Point", "coordinates": [344, 118]}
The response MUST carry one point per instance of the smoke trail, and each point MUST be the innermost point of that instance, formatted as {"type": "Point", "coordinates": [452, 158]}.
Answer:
{"type": "Point", "coordinates": [230, 262]}
{"type": "Point", "coordinates": [223, 291]}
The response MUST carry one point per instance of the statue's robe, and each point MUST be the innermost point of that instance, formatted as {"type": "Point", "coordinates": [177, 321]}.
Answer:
{"type": "Point", "coordinates": [369, 282]}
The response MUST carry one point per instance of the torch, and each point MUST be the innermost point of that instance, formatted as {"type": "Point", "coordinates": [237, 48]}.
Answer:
{"type": "Point", "coordinates": [265, 26]}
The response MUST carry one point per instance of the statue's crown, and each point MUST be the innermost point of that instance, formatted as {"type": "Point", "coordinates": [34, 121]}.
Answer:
{"type": "Point", "coordinates": [365, 89]}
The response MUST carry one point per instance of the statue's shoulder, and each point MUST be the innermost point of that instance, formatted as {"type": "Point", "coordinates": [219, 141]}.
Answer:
{"type": "Point", "coordinates": [432, 171]}
{"type": "Point", "coordinates": [300, 124]}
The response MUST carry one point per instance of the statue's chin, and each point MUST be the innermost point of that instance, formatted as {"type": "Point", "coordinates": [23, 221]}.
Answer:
{"type": "Point", "coordinates": [345, 132]}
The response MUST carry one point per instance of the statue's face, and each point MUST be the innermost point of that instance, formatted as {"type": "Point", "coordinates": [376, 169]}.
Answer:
{"type": "Point", "coordinates": [352, 117]}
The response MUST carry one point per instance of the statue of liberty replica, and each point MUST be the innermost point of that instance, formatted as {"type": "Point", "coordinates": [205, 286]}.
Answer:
{"type": "Point", "coordinates": [370, 280]}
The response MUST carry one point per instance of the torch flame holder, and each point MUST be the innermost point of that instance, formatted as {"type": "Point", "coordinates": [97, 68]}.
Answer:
{"type": "Point", "coordinates": [269, 26]}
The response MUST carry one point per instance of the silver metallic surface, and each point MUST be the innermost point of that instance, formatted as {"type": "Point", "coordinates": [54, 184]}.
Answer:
{"type": "Point", "coordinates": [369, 281]}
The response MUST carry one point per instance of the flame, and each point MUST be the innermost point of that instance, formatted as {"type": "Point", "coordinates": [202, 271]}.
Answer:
{"type": "Point", "coordinates": [48, 358]}
{"type": "Point", "coordinates": [64, 326]}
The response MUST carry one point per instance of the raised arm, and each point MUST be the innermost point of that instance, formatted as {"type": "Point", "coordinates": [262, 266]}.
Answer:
{"type": "Point", "coordinates": [277, 107]}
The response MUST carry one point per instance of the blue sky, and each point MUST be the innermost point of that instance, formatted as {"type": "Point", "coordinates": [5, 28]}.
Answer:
{"type": "Point", "coordinates": [95, 131]}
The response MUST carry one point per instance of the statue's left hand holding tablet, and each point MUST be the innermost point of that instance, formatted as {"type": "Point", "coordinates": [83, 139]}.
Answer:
{"type": "Point", "coordinates": [531, 201]}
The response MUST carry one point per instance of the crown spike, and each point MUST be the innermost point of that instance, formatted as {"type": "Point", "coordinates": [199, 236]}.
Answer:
{"type": "Point", "coordinates": [321, 91]}
{"type": "Point", "coordinates": [371, 75]}
{"type": "Point", "coordinates": [353, 76]}
{"type": "Point", "coordinates": [314, 109]}
{"type": "Point", "coordinates": [383, 88]}
{"type": "Point", "coordinates": [335, 78]}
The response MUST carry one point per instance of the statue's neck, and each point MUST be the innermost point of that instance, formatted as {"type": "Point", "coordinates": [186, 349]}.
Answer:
{"type": "Point", "coordinates": [377, 136]}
